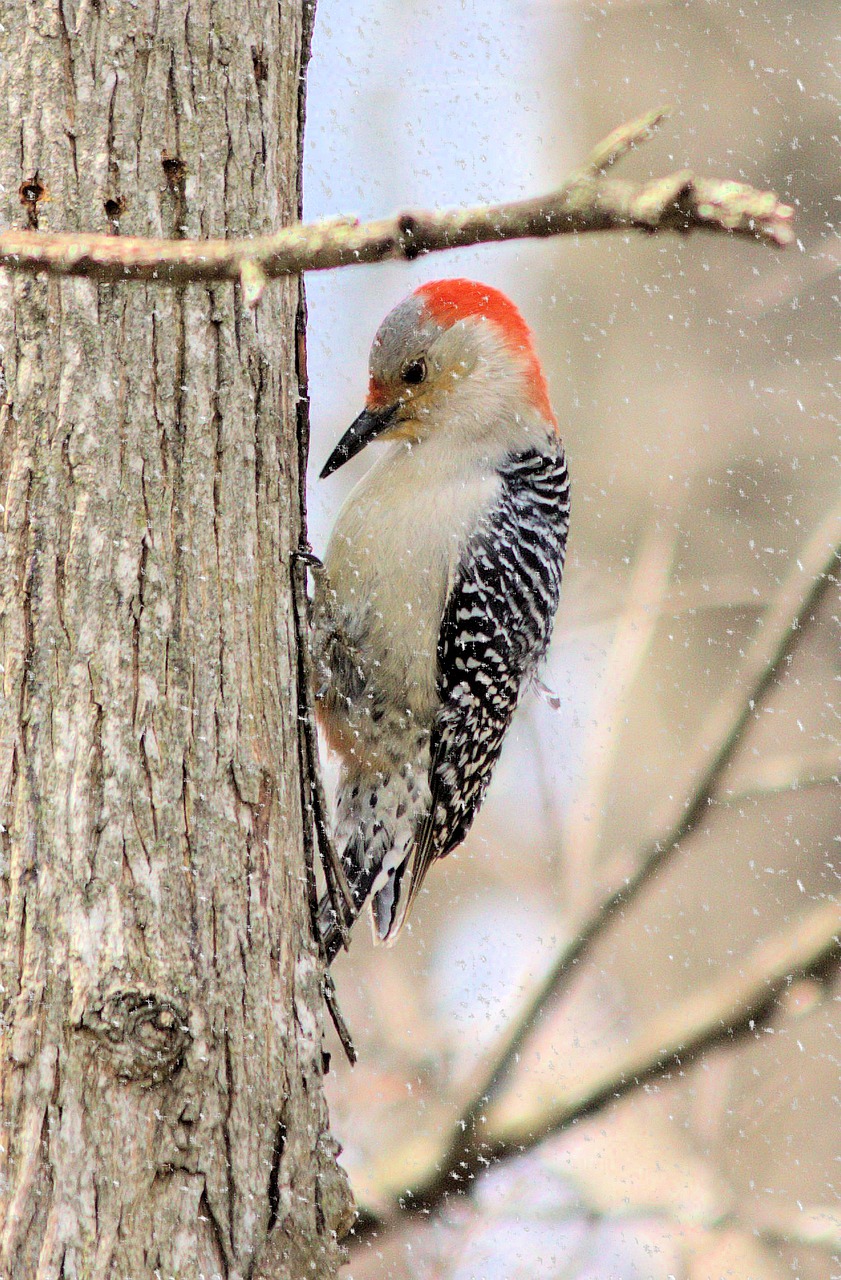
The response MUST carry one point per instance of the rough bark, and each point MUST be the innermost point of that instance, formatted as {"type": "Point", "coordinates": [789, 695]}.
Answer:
{"type": "Point", "coordinates": [162, 1108]}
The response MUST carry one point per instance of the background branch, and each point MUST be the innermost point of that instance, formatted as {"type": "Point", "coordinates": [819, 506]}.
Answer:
{"type": "Point", "coordinates": [789, 771]}
{"type": "Point", "coordinates": [720, 1010]}
{"type": "Point", "coordinates": [728, 1006]}
{"type": "Point", "coordinates": [586, 202]}
{"type": "Point", "coordinates": [778, 631]}
{"type": "Point", "coordinates": [633, 637]}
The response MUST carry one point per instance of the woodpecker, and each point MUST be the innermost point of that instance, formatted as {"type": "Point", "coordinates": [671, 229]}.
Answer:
{"type": "Point", "coordinates": [440, 586]}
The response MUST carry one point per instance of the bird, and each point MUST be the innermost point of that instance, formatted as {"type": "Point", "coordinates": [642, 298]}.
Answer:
{"type": "Point", "coordinates": [440, 583]}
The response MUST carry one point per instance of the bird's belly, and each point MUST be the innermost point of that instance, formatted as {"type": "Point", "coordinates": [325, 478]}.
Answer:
{"type": "Point", "coordinates": [390, 563]}
{"type": "Point", "coordinates": [389, 601]}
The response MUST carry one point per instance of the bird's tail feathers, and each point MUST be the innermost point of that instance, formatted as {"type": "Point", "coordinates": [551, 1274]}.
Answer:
{"type": "Point", "coordinates": [390, 903]}
{"type": "Point", "coordinates": [380, 824]}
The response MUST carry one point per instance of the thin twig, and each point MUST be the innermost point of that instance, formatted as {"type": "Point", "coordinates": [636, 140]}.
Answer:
{"type": "Point", "coordinates": [332, 1002]}
{"type": "Point", "coordinates": [622, 140]}
{"type": "Point", "coordinates": [586, 202]}
{"type": "Point", "coordinates": [313, 790]}
{"type": "Point", "coordinates": [815, 1225]}
{"type": "Point", "coordinates": [582, 614]}
{"type": "Point", "coordinates": [788, 771]}
{"type": "Point", "coordinates": [779, 630]}
{"type": "Point", "coordinates": [304, 752]}
{"type": "Point", "coordinates": [338, 889]}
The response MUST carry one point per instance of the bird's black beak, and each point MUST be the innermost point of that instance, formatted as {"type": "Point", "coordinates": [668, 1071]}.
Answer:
{"type": "Point", "coordinates": [370, 424]}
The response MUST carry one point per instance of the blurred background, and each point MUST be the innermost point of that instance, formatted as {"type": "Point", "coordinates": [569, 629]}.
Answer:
{"type": "Point", "coordinates": [697, 384]}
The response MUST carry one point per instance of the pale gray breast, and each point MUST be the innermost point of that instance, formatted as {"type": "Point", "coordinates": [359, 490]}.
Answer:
{"type": "Point", "coordinates": [391, 559]}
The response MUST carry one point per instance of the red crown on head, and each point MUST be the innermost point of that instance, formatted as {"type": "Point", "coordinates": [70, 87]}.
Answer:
{"type": "Point", "coordinates": [449, 301]}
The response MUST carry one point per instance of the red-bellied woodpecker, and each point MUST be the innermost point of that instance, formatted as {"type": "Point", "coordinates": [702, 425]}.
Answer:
{"type": "Point", "coordinates": [441, 584]}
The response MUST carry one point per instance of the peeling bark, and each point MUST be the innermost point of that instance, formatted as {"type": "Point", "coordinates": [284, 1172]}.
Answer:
{"type": "Point", "coordinates": [162, 1105]}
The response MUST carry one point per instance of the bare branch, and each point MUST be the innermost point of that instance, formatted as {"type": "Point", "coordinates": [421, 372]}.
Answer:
{"type": "Point", "coordinates": [632, 639]}
{"type": "Point", "coordinates": [338, 889]}
{"type": "Point", "coordinates": [727, 1007]}
{"type": "Point", "coordinates": [622, 140]}
{"type": "Point", "coordinates": [342, 1031]}
{"type": "Point", "coordinates": [788, 771]}
{"type": "Point", "coordinates": [705, 1018]}
{"type": "Point", "coordinates": [315, 804]}
{"type": "Point", "coordinates": [586, 202]}
{"type": "Point", "coordinates": [817, 1226]}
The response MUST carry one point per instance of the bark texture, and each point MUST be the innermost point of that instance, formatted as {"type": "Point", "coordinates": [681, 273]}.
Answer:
{"type": "Point", "coordinates": [162, 1109]}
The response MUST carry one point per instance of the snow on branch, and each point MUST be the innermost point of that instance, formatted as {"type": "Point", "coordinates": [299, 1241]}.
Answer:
{"type": "Point", "coordinates": [587, 201]}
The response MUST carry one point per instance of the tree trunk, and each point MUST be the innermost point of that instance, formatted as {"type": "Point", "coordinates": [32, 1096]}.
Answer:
{"type": "Point", "coordinates": [162, 1104]}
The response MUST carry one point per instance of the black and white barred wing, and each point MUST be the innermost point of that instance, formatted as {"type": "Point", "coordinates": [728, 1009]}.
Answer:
{"type": "Point", "coordinates": [495, 631]}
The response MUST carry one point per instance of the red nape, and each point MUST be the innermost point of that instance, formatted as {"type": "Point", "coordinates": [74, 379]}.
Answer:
{"type": "Point", "coordinates": [449, 301]}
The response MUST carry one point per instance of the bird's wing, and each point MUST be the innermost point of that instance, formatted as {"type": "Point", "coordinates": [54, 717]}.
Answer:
{"type": "Point", "coordinates": [496, 628]}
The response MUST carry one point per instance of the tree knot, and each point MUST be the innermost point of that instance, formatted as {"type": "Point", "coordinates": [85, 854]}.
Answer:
{"type": "Point", "coordinates": [142, 1035]}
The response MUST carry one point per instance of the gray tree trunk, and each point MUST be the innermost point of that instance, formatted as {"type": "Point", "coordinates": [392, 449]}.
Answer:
{"type": "Point", "coordinates": [162, 1105]}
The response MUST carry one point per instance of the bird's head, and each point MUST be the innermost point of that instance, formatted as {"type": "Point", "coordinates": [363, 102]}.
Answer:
{"type": "Point", "coordinates": [453, 350]}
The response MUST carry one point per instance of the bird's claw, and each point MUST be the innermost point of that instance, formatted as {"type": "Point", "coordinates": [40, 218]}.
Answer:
{"type": "Point", "coordinates": [306, 555]}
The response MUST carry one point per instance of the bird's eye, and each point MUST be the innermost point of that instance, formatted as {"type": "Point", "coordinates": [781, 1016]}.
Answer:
{"type": "Point", "coordinates": [414, 372]}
